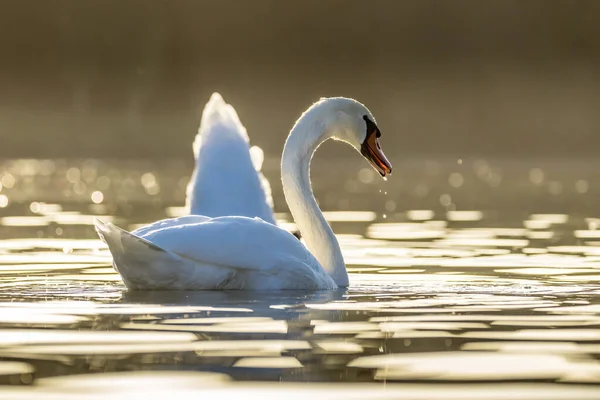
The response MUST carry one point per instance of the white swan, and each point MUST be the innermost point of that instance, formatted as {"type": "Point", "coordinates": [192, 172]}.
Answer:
{"type": "Point", "coordinates": [227, 177]}
{"type": "Point", "coordinates": [198, 252]}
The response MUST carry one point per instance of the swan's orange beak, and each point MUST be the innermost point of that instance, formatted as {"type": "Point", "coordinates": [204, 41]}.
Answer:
{"type": "Point", "coordinates": [371, 150]}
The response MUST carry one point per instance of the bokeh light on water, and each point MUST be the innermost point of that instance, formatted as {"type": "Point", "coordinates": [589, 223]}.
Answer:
{"type": "Point", "coordinates": [459, 284]}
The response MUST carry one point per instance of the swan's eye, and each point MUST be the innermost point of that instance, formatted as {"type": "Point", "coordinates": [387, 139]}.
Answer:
{"type": "Point", "coordinates": [371, 128]}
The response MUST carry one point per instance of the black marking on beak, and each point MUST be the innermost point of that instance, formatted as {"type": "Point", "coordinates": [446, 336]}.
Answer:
{"type": "Point", "coordinates": [371, 149]}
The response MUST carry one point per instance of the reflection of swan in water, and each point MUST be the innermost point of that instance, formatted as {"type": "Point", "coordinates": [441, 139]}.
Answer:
{"type": "Point", "coordinates": [277, 304]}
{"type": "Point", "coordinates": [274, 326]}
{"type": "Point", "coordinates": [197, 252]}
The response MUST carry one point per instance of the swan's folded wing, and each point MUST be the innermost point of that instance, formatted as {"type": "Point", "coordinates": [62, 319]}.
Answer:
{"type": "Point", "coordinates": [235, 242]}
{"type": "Point", "coordinates": [165, 223]}
{"type": "Point", "coordinates": [145, 266]}
{"type": "Point", "coordinates": [220, 253]}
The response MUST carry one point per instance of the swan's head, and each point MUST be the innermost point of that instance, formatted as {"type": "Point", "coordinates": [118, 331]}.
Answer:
{"type": "Point", "coordinates": [350, 121]}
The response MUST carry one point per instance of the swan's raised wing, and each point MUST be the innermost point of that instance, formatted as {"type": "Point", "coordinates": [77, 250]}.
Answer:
{"type": "Point", "coordinates": [258, 157]}
{"type": "Point", "coordinates": [227, 178]}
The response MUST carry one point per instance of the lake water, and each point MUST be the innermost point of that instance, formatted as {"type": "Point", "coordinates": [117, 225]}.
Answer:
{"type": "Point", "coordinates": [470, 279]}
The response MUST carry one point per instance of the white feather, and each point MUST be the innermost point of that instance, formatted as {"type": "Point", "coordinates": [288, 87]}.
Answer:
{"type": "Point", "coordinates": [227, 178]}
{"type": "Point", "coordinates": [189, 253]}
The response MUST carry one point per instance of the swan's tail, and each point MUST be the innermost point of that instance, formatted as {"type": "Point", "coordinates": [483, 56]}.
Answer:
{"type": "Point", "coordinates": [141, 264]}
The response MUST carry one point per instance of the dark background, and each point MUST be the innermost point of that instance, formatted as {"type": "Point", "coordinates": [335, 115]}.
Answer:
{"type": "Point", "coordinates": [128, 78]}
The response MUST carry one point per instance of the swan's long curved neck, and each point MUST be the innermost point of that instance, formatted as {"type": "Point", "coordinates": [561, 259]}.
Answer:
{"type": "Point", "coordinates": [304, 139]}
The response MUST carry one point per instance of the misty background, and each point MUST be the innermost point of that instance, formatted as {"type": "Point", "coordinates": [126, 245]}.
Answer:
{"type": "Point", "coordinates": [129, 79]}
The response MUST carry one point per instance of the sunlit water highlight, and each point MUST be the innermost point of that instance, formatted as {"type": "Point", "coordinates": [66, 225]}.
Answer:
{"type": "Point", "coordinates": [507, 296]}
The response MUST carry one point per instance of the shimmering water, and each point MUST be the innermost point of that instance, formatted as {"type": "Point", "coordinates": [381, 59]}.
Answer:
{"type": "Point", "coordinates": [469, 279]}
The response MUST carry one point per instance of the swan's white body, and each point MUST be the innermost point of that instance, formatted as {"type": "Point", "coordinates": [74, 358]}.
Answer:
{"type": "Point", "coordinates": [227, 178]}
{"type": "Point", "coordinates": [213, 253]}
{"type": "Point", "coordinates": [236, 252]}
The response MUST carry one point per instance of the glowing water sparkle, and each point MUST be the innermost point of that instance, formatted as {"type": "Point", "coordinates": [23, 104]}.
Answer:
{"type": "Point", "coordinates": [472, 294]}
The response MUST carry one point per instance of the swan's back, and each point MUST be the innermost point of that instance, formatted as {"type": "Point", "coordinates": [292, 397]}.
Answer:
{"type": "Point", "coordinates": [199, 253]}
{"type": "Point", "coordinates": [227, 179]}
